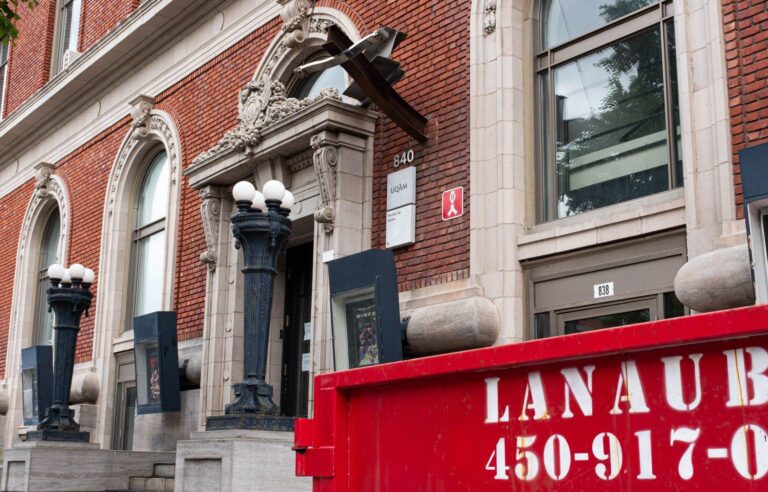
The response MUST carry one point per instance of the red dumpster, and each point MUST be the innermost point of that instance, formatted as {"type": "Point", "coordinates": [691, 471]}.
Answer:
{"type": "Point", "coordinates": [678, 404]}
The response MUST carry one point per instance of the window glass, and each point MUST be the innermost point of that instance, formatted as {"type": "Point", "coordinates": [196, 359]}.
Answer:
{"type": "Point", "coordinates": [332, 78]}
{"type": "Point", "coordinates": [3, 70]}
{"type": "Point", "coordinates": [673, 308]}
{"type": "Point", "coordinates": [150, 239]}
{"type": "Point", "coordinates": [68, 29]}
{"type": "Point", "coordinates": [150, 268]}
{"type": "Point", "coordinates": [611, 126]}
{"type": "Point", "coordinates": [765, 235]}
{"type": "Point", "coordinates": [49, 254]}
{"type": "Point", "coordinates": [607, 321]}
{"type": "Point", "coordinates": [541, 326]}
{"type": "Point", "coordinates": [153, 199]}
{"type": "Point", "coordinates": [569, 19]}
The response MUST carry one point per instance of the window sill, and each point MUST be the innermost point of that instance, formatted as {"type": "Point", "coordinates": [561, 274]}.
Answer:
{"type": "Point", "coordinates": [645, 215]}
{"type": "Point", "coordinates": [123, 343]}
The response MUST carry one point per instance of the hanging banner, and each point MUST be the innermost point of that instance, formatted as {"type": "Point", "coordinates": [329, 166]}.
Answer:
{"type": "Point", "coordinates": [669, 405]}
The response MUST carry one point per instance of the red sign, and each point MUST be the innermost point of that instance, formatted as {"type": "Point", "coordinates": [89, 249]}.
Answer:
{"type": "Point", "coordinates": [677, 404]}
{"type": "Point", "coordinates": [453, 203]}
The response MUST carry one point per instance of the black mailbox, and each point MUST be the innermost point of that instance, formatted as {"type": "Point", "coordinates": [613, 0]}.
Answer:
{"type": "Point", "coordinates": [157, 363]}
{"type": "Point", "coordinates": [36, 382]}
{"type": "Point", "coordinates": [365, 310]}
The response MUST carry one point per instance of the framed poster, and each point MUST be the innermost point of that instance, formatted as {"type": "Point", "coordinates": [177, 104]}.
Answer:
{"type": "Point", "coordinates": [365, 310]}
{"type": "Point", "coordinates": [157, 363]}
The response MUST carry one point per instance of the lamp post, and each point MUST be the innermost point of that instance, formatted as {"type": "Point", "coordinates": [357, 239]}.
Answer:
{"type": "Point", "coordinates": [261, 228]}
{"type": "Point", "coordinates": [69, 297]}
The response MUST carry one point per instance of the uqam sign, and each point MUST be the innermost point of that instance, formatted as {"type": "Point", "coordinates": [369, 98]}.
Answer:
{"type": "Point", "coordinates": [670, 405]}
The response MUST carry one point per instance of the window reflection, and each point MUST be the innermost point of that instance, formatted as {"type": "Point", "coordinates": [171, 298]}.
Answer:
{"type": "Point", "coordinates": [332, 78]}
{"type": "Point", "coordinates": [611, 126]}
{"type": "Point", "coordinates": [49, 254]}
{"type": "Point", "coordinates": [150, 239]}
{"type": "Point", "coordinates": [569, 19]}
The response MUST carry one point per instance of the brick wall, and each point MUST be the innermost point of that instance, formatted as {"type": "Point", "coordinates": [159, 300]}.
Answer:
{"type": "Point", "coordinates": [86, 173]}
{"type": "Point", "coordinates": [12, 208]}
{"type": "Point", "coordinates": [437, 85]}
{"type": "Point", "coordinates": [204, 106]}
{"type": "Point", "coordinates": [29, 63]}
{"type": "Point", "coordinates": [101, 16]}
{"type": "Point", "coordinates": [746, 37]}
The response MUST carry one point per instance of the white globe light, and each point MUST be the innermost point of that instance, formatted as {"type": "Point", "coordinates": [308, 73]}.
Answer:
{"type": "Point", "coordinates": [66, 278]}
{"type": "Point", "coordinates": [288, 200]}
{"type": "Point", "coordinates": [274, 190]}
{"type": "Point", "coordinates": [259, 203]}
{"type": "Point", "coordinates": [77, 271]}
{"type": "Point", "coordinates": [243, 191]}
{"type": "Point", "coordinates": [89, 276]}
{"type": "Point", "coordinates": [56, 271]}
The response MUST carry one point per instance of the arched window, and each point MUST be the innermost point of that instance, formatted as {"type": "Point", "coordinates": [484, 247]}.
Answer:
{"type": "Point", "coordinates": [331, 78]}
{"type": "Point", "coordinates": [149, 237]}
{"type": "Point", "coordinates": [49, 254]}
{"type": "Point", "coordinates": [608, 105]}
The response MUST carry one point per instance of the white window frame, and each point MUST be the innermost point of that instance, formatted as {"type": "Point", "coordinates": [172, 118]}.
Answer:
{"type": "Point", "coordinates": [61, 45]}
{"type": "Point", "coordinates": [4, 77]}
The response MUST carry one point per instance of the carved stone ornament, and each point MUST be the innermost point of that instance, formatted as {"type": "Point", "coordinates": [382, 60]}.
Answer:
{"type": "Point", "coordinates": [211, 212]}
{"type": "Point", "coordinates": [48, 187]}
{"type": "Point", "coordinates": [296, 20]}
{"type": "Point", "coordinates": [141, 110]}
{"type": "Point", "coordinates": [262, 103]}
{"type": "Point", "coordinates": [153, 126]}
{"type": "Point", "coordinates": [489, 17]}
{"type": "Point", "coordinates": [43, 173]}
{"type": "Point", "coordinates": [325, 160]}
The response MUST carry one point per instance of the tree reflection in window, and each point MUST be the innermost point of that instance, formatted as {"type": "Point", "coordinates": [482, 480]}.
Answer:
{"type": "Point", "coordinates": [611, 116]}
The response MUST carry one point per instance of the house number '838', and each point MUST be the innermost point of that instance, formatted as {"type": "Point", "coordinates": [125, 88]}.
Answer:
{"type": "Point", "coordinates": [406, 157]}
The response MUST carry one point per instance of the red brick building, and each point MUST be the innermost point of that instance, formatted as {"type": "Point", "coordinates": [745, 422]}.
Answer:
{"type": "Point", "coordinates": [597, 149]}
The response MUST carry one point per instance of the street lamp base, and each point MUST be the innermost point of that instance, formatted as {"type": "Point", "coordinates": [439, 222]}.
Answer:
{"type": "Point", "coordinates": [250, 422]}
{"type": "Point", "coordinates": [58, 435]}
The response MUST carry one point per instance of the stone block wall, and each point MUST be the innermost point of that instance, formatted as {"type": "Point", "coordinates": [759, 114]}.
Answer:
{"type": "Point", "coordinates": [746, 37]}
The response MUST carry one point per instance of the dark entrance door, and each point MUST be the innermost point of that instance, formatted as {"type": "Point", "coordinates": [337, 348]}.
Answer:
{"type": "Point", "coordinates": [297, 331]}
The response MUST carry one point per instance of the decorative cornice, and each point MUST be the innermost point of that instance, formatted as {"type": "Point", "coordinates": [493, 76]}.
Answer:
{"type": "Point", "coordinates": [262, 103]}
{"type": "Point", "coordinates": [141, 110]}
{"type": "Point", "coordinates": [326, 158]}
{"type": "Point", "coordinates": [43, 173]}
{"type": "Point", "coordinates": [300, 161]}
{"type": "Point", "coordinates": [296, 20]}
{"type": "Point", "coordinates": [210, 209]}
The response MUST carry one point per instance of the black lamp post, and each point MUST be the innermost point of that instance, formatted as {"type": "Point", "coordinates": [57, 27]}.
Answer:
{"type": "Point", "coordinates": [261, 228]}
{"type": "Point", "coordinates": [69, 297]}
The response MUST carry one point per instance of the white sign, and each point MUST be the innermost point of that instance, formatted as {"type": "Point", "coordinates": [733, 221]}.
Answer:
{"type": "Point", "coordinates": [401, 226]}
{"type": "Point", "coordinates": [307, 332]}
{"type": "Point", "coordinates": [401, 188]}
{"type": "Point", "coordinates": [305, 362]}
{"type": "Point", "coordinates": [604, 290]}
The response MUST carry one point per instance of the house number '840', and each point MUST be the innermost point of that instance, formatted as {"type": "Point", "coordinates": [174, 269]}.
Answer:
{"type": "Point", "coordinates": [406, 157]}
